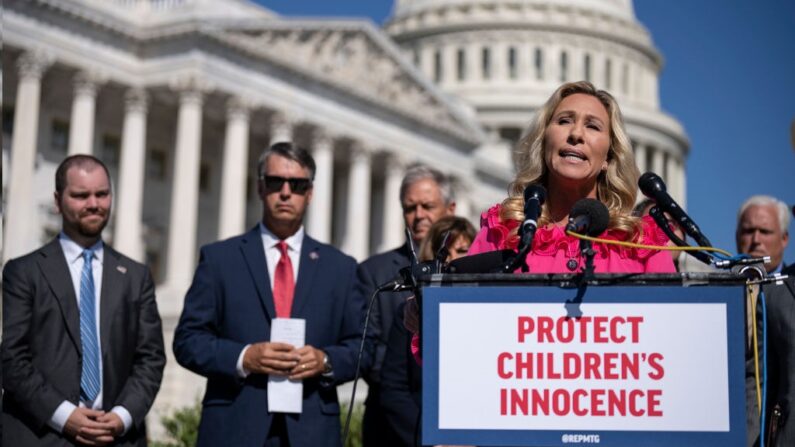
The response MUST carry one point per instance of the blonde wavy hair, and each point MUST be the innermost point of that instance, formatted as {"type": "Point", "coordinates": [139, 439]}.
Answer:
{"type": "Point", "coordinates": [616, 187]}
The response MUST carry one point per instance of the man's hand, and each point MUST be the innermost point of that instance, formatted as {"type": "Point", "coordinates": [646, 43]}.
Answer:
{"type": "Point", "coordinates": [310, 364]}
{"type": "Point", "coordinates": [277, 359]}
{"type": "Point", "coordinates": [84, 426]}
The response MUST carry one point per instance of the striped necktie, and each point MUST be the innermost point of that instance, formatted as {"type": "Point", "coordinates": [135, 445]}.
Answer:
{"type": "Point", "coordinates": [89, 378]}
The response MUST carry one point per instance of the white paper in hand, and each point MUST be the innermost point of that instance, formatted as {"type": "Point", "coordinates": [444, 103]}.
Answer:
{"type": "Point", "coordinates": [285, 395]}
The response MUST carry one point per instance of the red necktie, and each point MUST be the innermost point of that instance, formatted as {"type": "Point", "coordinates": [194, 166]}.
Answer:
{"type": "Point", "coordinates": [283, 283]}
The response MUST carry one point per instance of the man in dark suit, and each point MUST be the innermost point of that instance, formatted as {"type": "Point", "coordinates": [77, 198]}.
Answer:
{"type": "Point", "coordinates": [762, 231]}
{"type": "Point", "coordinates": [426, 196]}
{"type": "Point", "coordinates": [82, 343]}
{"type": "Point", "coordinates": [241, 285]}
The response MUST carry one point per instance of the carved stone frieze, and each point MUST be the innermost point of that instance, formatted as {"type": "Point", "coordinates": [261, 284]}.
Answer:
{"type": "Point", "coordinates": [351, 60]}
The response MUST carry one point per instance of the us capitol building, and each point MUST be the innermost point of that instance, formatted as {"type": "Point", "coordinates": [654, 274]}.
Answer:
{"type": "Point", "coordinates": [179, 97]}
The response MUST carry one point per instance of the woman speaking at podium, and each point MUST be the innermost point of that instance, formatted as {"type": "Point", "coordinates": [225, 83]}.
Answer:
{"type": "Point", "coordinates": [576, 148]}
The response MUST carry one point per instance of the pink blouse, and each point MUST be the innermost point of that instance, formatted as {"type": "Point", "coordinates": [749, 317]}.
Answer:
{"type": "Point", "coordinates": [553, 250]}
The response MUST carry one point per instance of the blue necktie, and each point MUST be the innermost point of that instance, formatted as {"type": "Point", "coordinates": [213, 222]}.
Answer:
{"type": "Point", "coordinates": [89, 378]}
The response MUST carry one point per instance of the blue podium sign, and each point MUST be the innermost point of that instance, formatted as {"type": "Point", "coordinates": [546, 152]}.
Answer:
{"type": "Point", "coordinates": [611, 365]}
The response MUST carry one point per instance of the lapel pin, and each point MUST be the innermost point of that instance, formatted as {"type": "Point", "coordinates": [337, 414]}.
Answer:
{"type": "Point", "coordinates": [314, 256]}
{"type": "Point", "coordinates": [121, 269]}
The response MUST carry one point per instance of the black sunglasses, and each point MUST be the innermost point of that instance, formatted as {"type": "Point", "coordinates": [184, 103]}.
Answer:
{"type": "Point", "coordinates": [297, 185]}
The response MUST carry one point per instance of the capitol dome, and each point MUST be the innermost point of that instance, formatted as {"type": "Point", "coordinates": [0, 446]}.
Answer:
{"type": "Point", "coordinates": [505, 57]}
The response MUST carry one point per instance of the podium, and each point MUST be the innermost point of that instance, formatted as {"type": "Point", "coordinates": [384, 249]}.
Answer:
{"type": "Point", "coordinates": [549, 360]}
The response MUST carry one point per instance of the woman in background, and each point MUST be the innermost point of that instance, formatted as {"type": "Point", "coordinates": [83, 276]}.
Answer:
{"type": "Point", "coordinates": [401, 378]}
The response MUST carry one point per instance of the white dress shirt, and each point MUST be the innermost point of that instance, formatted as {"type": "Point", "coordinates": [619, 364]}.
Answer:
{"type": "Point", "coordinates": [74, 259]}
{"type": "Point", "coordinates": [272, 256]}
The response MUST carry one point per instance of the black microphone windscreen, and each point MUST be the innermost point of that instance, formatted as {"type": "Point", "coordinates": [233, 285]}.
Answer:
{"type": "Point", "coordinates": [597, 213]}
{"type": "Point", "coordinates": [481, 262]}
{"type": "Point", "coordinates": [650, 184]}
{"type": "Point", "coordinates": [536, 191]}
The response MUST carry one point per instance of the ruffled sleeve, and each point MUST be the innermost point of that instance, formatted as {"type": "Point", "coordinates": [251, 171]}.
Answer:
{"type": "Point", "coordinates": [494, 233]}
{"type": "Point", "coordinates": [657, 261]}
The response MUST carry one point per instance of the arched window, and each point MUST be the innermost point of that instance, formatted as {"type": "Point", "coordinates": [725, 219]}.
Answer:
{"type": "Point", "coordinates": [625, 78]}
{"type": "Point", "coordinates": [587, 67]}
{"type": "Point", "coordinates": [513, 72]}
{"type": "Point", "coordinates": [461, 64]}
{"type": "Point", "coordinates": [564, 66]}
{"type": "Point", "coordinates": [539, 64]}
{"type": "Point", "coordinates": [486, 63]}
{"type": "Point", "coordinates": [437, 66]}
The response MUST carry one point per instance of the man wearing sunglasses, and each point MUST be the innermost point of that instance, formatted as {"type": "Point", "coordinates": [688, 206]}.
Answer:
{"type": "Point", "coordinates": [241, 285]}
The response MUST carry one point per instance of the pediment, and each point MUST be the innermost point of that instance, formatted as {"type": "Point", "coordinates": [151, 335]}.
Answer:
{"type": "Point", "coordinates": [357, 58]}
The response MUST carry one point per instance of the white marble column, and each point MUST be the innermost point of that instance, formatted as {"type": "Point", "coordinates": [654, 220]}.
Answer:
{"type": "Point", "coordinates": [357, 223]}
{"type": "Point", "coordinates": [232, 210]}
{"type": "Point", "coordinates": [393, 224]}
{"type": "Point", "coordinates": [20, 208]}
{"type": "Point", "coordinates": [81, 126]}
{"type": "Point", "coordinates": [318, 219]}
{"type": "Point", "coordinates": [681, 181]}
{"type": "Point", "coordinates": [463, 204]}
{"type": "Point", "coordinates": [281, 128]}
{"type": "Point", "coordinates": [185, 190]}
{"type": "Point", "coordinates": [641, 157]}
{"type": "Point", "coordinates": [657, 161]}
{"type": "Point", "coordinates": [128, 233]}
{"type": "Point", "coordinates": [672, 179]}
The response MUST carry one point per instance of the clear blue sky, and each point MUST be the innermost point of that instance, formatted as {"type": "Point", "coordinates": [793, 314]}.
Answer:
{"type": "Point", "coordinates": [729, 77]}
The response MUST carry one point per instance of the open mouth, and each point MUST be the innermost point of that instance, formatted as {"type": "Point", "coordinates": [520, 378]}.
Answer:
{"type": "Point", "coordinates": [572, 154]}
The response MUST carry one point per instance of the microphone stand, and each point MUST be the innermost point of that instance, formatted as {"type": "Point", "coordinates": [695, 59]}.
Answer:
{"type": "Point", "coordinates": [587, 252]}
{"type": "Point", "coordinates": [659, 217]}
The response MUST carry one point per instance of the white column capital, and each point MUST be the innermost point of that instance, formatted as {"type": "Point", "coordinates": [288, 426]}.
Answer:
{"type": "Point", "coordinates": [33, 64]}
{"type": "Point", "coordinates": [191, 87]}
{"type": "Point", "coordinates": [87, 82]}
{"type": "Point", "coordinates": [238, 109]}
{"type": "Point", "coordinates": [282, 126]}
{"type": "Point", "coordinates": [394, 161]}
{"type": "Point", "coordinates": [323, 137]}
{"type": "Point", "coordinates": [360, 152]}
{"type": "Point", "coordinates": [136, 99]}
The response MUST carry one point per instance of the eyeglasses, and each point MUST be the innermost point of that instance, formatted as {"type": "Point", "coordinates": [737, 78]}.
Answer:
{"type": "Point", "coordinates": [297, 185]}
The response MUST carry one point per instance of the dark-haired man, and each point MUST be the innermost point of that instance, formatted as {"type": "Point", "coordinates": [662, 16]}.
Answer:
{"type": "Point", "coordinates": [82, 343]}
{"type": "Point", "coordinates": [241, 286]}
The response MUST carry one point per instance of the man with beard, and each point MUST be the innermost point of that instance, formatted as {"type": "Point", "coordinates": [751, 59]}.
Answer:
{"type": "Point", "coordinates": [426, 196]}
{"type": "Point", "coordinates": [762, 230]}
{"type": "Point", "coordinates": [82, 346]}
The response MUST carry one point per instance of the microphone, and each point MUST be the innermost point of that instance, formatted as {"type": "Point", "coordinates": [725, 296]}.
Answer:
{"type": "Point", "coordinates": [589, 217]}
{"type": "Point", "coordinates": [486, 262]}
{"type": "Point", "coordinates": [653, 187]}
{"type": "Point", "coordinates": [534, 197]}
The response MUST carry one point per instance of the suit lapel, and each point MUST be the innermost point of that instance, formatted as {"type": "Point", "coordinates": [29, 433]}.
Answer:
{"type": "Point", "coordinates": [254, 255]}
{"type": "Point", "coordinates": [307, 269]}
{"type": "Point", "coordinates": [114, 277]}
{"type": "Point", "coordinates": [56, 273]}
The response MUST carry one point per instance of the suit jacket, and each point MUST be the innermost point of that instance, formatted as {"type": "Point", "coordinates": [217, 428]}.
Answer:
{"type": "Point", "coordinates": [42, 353]}
{"type": "Point", "coordinates": [230, 305]}
{"type": "Point", "coordinates": [373, 272]}
{"type": "Point", "coordinates": [780, 302]}
{"type": "Point", "coordinates": [401, 388]}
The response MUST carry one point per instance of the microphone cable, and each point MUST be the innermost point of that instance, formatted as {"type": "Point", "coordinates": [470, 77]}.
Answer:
{"type": "Point", "coordinates": [346, 430]}
{"type": "Point", "coordinates": [762, 427]}
{"type": "Point", "coordinates": [649, 247]}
